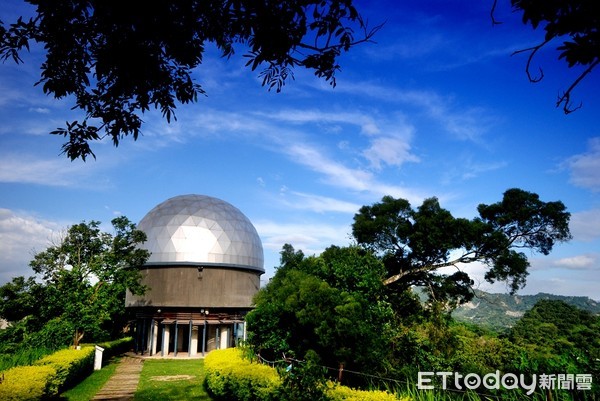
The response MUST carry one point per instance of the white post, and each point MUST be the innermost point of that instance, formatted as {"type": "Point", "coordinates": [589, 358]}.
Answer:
{"type": "Point", "coordinates": [98, 358]}
{"type": "Point", "coordinates": [224, 337]}
{"type": "Point", "coordinates": [154, 337]}
{"type": "Point", "coordinates": [165, 346]}
{"type": "Point", "coordinates": [194, 341]}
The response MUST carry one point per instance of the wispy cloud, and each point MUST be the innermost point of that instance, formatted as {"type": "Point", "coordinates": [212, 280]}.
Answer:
{"type": "Point", "coordinates": [463, 123]}
{"type": "Point", "coordinates": [469, 169]}
{"type": "Point", "coordinates": [578, 262]}
{"type": "Point", "coordinates": [310, 237]}
{"type": "Point", "coordinates": [317, 203]}
{"type": "Point", "coordinates": [56, 172]}
{"type": "Point", "coordinates": [389, 151]}
{"type": "Point", "coordinates": [337, 174]}
{"type": "Point", "coordinates": [584, 167]}
{"type": "Point", "coordinates": [367, 123]}
{"type": "Point", "coordinates": [21, 235]}
{"type": "Point", "coordinates": [585, 225]}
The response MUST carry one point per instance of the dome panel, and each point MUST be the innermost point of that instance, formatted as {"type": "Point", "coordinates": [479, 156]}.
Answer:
{"type": "Point", "coordinates": [201, 229]}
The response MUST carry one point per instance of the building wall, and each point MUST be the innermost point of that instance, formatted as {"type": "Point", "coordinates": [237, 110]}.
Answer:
{"type": "Point", "coordinates": [189, 286]}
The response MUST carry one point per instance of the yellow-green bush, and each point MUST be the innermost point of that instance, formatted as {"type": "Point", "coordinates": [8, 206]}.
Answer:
{"type": "Point", "coordinates": [71, 366]}
{"type": "Point", "coordinates": [342, 393]}
{"type": "Point", "coordinates": [231, 377]}
{"type": "Point", "coordinates": [27, 383]}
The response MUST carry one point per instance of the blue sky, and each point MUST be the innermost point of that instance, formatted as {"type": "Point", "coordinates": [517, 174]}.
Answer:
{"type": "Point", "coordinates": [437, 107]}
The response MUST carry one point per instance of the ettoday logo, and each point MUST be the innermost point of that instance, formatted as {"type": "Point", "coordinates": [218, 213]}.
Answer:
{"type": "Point", "coordinates": [508, 381]}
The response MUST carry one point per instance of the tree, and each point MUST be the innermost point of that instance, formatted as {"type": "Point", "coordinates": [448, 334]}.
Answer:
{"type": "Point", "coordinates": [332, 305]}
{"type": "Point", "coordinates": [575, 23]}
{"type": "Point", "coordinates": [85, 277]}
{"type": "Point", "coordinates": [20, 298]}
{"type": "Point", "coordinates": [119, 59]}
{"type": "Point", "coordinates": [560, 337]}
{"type": "Point", "coordinates": [415, 244]}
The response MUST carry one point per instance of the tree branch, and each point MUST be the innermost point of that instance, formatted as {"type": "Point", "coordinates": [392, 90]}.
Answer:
{"type": "Point", "coordinates": [566, 96]}
{"type": "Point", "coordinates": [492, 11]}
{"type": "Point", "coordinates": [533, 51]}
{"type": "Point", "coordinates": [465, 258]}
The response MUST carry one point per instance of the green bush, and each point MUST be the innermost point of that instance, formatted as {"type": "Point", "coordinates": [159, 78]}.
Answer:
{"type": "Point", "coordinates": [116, 347]}
{"type": "Point", "coordinates": [28, 383]}
{"type": "Point", "coordinates": [71, 366]}
{"type": "Point", "coordinates": [57, 333]}
{"type": "Point", "coordinates": [55, 373]}
{"type": "Point", "coordinates": [231, 377]}
{"type": "Point", "coordinates": [342, 393]}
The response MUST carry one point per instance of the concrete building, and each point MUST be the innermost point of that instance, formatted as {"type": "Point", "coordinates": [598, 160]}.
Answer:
{"type": "Point", "coordinates": [205, 268]}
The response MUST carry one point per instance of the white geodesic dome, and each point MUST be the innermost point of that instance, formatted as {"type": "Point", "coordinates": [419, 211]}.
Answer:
{"type": "Point", "coordinates": [199, 229]}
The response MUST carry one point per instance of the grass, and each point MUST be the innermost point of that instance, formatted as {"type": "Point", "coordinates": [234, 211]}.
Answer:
{"type": "Point", "coordinates": [170, 379]}
{"type": "Point", "coordinates": [23, 357]}
{"type": "Point", "coordinates": [85, 390]}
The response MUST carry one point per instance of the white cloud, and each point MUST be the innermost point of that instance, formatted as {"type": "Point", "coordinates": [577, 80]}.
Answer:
{"type": "Point", "coordinates": [585, 226]}
{"type": "Point", "coordinates": [578, 262]}
{"type": "Point", "coordinates": [21, 235]}
{"type": "Point", "coordinates": [585, 167]}
{"type": "Point", "coordinates": [468, 124]}
{"type": "Point", "coordinates": [367, 124]}
{"type": "Point", "coordinates": [56, 172]}
{"type": "Point", "coordinates": [339, 175]}
{"type": "Point", "coordinates": [41, 110]}
{"type": "Point", "coordinates": [317, 203]}
{"type": "Point", "coordinates": [311, 238]}
{"type": "Point", "coordinates": [468, 169]}
{"type": "Point", "coordinates": [390, 151]}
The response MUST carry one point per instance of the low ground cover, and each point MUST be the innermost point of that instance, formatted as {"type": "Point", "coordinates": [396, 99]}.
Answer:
{"type": "Point", "coordinates": [169, 379]}
{"type": "Point", "coordinates": [85, 390]}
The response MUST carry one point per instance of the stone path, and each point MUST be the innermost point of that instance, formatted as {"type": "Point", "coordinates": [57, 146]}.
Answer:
{"type": "Point", "coordinates": [123, 383]}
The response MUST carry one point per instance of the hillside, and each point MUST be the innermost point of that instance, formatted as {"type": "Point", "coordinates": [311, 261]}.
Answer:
{"type": "Point", "coordinates": [501, 311]}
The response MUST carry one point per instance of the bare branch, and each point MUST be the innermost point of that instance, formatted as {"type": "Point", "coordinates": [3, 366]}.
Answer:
{"type": "Point", "coordinates": [465, 258]}
{"type": "Point", "coordinates": [566, 96]}
{"type": "Point", "coordinates": [533, 50]}
{"type": "Point", "coordinates": [492, 11]}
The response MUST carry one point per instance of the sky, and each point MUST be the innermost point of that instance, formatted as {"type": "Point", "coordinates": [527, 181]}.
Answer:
{"type": "Point", "coordinates": [436, 107]}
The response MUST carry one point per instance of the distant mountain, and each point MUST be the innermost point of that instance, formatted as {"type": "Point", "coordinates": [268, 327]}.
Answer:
{"type": "Point", "coordinates": [501, 311]}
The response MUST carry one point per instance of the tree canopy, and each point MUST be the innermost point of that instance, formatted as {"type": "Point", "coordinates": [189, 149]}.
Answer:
{"type": "Point", "coordinates": [560, 337]}
{"type": "Point", "coordinates": [332, 305]}
{"type": "Point", "coordinates": [119, 59]}
{"type": "Point", "coordinates": [81, 283]}
{"type": "Point", "coordinates": [416, 243]}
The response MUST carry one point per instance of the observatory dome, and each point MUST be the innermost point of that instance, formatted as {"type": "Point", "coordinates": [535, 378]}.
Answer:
{"type": "Point", "coordinates": [198, 229]}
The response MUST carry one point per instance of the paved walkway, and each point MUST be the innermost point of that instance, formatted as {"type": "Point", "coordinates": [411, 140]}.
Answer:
{"type": "Point", "coordinates": [123, 383]}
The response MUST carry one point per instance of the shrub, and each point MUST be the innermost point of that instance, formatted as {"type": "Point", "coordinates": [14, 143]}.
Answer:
{"type": "Point", "coordinates": [28, 383]}
{"type": "Point", "coordinates": [116, 347]}
{"type": "Point", "coordinates": [230, 377]}
{"type": "Point", "coordinates": [342, 393]}
{"type": "Point", "coordinates": [71, 366]}
{"type": "Point", "coordinates": [55, 334]}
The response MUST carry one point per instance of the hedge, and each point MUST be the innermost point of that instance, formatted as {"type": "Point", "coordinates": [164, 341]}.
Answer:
{"type": "Point", "coordinates": [27, 383]}
{"type": "Point", "coordinates": [229, 376]}
{"type": "Point", "coordinates": [54, 373]}
{"type": "Point", "coordinates": [116, 347]}
{"type": "Point", "coordinates": [71, 366]}
{"type": "Point", "coordinates": [342, 393]}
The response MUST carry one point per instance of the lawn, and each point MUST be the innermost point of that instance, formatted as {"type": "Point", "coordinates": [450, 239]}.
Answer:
{"type": "Point", "coordinates": [85, 390]}
{"type": "Point", "coordinates": [168, 379]}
